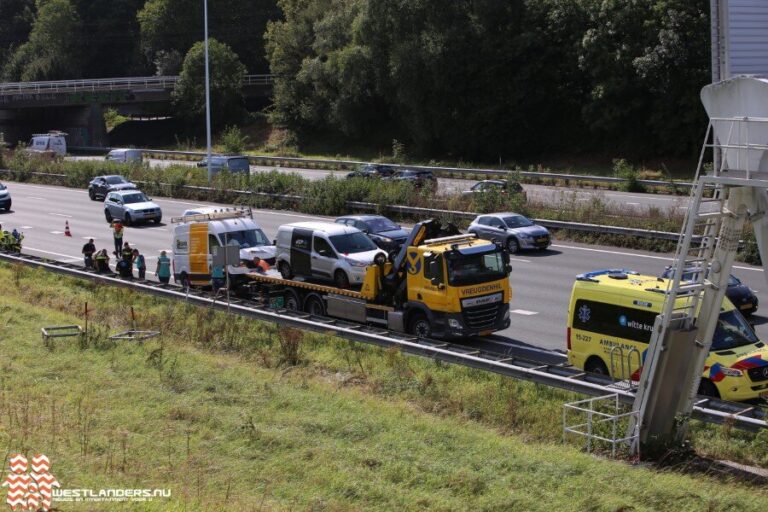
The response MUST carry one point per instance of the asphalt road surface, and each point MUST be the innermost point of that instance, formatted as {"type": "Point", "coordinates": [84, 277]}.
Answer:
{"type": "Point", "coordinates": [541, 281]}
{"type": "Point", "coordinates": [541, 193]}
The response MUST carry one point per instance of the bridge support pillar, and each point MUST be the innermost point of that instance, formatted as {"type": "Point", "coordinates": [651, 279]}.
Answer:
{"type": "Point", "coordinates": [97, 128]}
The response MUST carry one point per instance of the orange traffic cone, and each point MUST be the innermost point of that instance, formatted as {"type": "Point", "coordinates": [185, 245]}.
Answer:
{"type": "Point", "coordinates": [66, 228]}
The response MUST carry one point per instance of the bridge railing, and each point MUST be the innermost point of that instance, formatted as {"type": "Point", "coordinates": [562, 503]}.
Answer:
{"type": "Point", "coordinates": [102, 84]}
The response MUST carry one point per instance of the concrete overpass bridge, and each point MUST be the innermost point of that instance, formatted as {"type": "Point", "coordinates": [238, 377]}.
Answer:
{"type": "Point", "coordinates": [77, 106]}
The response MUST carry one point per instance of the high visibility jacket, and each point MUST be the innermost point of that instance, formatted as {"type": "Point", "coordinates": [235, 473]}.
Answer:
{"type": "Point", "coordinates": [163, 266]}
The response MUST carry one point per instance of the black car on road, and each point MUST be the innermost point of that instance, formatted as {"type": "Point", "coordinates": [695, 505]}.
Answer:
{"type": "Point", "coordinates": [501, 186]}
{"type": "Point", "coordinates": [385, 233]}
{"type": "Point", "coordinates": [372, 171]}
{"type": "Point", "coordinates": [418, 178]}
{"type": "Point", "coordinates": [737, 292]}
{"type": "Point", "coordinates": [100, 186]}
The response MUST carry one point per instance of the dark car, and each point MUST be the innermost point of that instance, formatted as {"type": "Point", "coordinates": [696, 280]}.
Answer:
{"type": "Point", "coordinates": [503, 186]}
{"type": "Point", "coordinates": [385, 233]}
{"type": "Point", "coordinates": [5, 198]}
{"type": "Point", "coordinates": [100, 186]}
{"type": "Point", "coordinates": [737, 292]}
{"type": "Point", "coordinates": [419, 179]}
{"type": "Point", "coordinates": [372, 171]}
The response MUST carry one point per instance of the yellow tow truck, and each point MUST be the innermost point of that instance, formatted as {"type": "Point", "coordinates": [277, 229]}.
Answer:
{"type": "Point", "coordinates": [440, 284]}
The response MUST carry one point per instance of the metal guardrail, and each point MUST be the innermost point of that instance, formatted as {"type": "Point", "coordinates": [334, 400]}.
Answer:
{"type": "Point", "coordinates": [416, 211]}
{"type": "Point", "coordinates": [445, 172]}
{"type": "Point", "coordinates": [108, 84]}
{"type": "Point", "coordinates": [559, 375]}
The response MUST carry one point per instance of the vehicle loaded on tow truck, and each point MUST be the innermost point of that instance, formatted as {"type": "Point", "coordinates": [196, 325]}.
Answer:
{"type": "Point", "coordinates": [440, 284]}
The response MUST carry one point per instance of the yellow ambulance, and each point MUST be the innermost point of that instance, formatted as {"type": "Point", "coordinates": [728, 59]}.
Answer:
{"type": "Point", "coordinates": [610, 324]}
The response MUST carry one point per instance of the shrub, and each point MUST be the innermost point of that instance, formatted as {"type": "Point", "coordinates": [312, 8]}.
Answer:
{"type": "Point", "coordinates": [624, 170]}
{"type": "Point", "coordinates": [233, 140]}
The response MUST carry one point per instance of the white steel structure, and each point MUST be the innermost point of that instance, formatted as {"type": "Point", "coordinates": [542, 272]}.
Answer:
{"type": "Point", "coordinates": [738, 182]}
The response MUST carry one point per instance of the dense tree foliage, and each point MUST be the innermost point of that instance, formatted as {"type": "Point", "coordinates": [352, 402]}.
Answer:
{"type": "Point", "coordinates": [489, 78]}
{"type": "Point", "coordinates": [226, 73]}
{"type": "Point", "coordinates": [475, 79]}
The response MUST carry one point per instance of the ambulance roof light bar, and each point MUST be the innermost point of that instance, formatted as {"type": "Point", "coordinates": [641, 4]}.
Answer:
{"type": "Point", "coordinates": [221, 214]}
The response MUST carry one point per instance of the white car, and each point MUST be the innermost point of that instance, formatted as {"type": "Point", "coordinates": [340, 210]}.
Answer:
{"type": "Point", "coordinates": [130, 206]}
{"type": "Point", "coordinates": [325, 250]}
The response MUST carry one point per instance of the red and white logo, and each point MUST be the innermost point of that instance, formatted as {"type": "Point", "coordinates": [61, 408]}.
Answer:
{"type": "Point", "coordinates": [33, 490]}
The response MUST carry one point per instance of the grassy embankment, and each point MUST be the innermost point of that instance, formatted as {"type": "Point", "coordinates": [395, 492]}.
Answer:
{"type": "Point", "coordinates": [232, 414]}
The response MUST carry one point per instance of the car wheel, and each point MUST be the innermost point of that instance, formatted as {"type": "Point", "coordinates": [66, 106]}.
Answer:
{"type": "Point", "coordinates": [158, 220]}
{"type": "Point", "coordinates": [291, 300]}
{"type": "Point", "coordinates": [420, 326]}
{"type": "Point", "coordinates": [597, 366]}
{"type": "Point", "coordinates": [513, 245]}
{"type": "Point", "coordinates": [285, 270]}
{"type": "Point", "coordinates": [313, 305]}
{"type": "Point", "coordinates": [127, 220]}
{"type": "Point", "coordinates": [91, 194]}
{"type": "Point", "coordinates": [708, 388]}
{"type": "Point", "coordinates": [341, 279]}
{"type": "Point", "coordinates": [108, 216]}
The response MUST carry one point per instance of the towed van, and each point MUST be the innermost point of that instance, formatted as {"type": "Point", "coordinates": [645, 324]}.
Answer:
{"type": "Point", "coordinates": [610, 323]}
{"type": "Point", "coordinates": [200, 230]}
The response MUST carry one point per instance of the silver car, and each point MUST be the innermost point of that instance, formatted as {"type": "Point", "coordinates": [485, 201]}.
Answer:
{"type": "Point", "coordinates": [131, 206]}
{"type": "Point", "coordinates": [511, 229]}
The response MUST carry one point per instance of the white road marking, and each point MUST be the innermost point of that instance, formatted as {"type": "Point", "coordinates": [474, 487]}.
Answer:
{"type": "Point", "coordinates": [523, 312]}
{"type": "Point", "coordinates": [27, 227]}
{"type": "Point", "coordinates": [68, 256]}
{"type": "Point", "coordinates": [89, 237]}
{"type": "Point", "coordinates": [61, 215]}
{"type": "Point", "coordinates": [57, 232]}
{"type": "Point", "coordinates": [633, 204]}
{"type": "Point", "coordinates": [35, 197]}
{"type": "Point", "coordinates": [620, 253]}
{"type": "Point", "coordinates": [520, 260]}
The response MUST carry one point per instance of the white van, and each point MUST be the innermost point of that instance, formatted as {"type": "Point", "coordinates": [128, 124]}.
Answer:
{"type": "Point", "coordinates": [325, 250]}
{"type": "Point", "coordinates": [124, 156]}
{"type": "Point", "coordinates": [52, 144]}
{"type": "Point", "coordinates": [199, 230]}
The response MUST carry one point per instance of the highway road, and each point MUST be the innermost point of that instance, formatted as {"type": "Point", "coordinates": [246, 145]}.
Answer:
{"type": "Point", "coordinates": [539, 193]}
{"type": "Point", "coordinates": [541, 281]}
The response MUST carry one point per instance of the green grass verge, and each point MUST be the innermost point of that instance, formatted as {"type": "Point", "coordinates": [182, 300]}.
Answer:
{"type": "Point", "coordinates": [233, 414]}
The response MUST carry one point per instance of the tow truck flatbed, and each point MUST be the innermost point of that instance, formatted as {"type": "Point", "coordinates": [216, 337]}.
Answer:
{"type": "Point", "coordinates": [274, 278]}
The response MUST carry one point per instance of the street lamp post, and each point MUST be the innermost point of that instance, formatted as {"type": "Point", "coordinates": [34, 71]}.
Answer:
{"type": "Point", "coordinates": [207, 92]}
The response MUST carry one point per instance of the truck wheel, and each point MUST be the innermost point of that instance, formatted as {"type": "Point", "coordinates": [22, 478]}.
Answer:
{"type": "Point", "coordinates": [107, 215]}
{"type": "Point", "coordinates": [184, 280]}
{"type": "Point", "coordinates": [708, 388]}
{"type": "Point", "coordinates": [285, 270]}
{"type": "Point", "coordinates": [597, 366]}
{"type": "Point", "coordinates": [313, 305]}
{"type": "Point", "coordinates": [513, 245]}
{"type": "Point", "coordinates": [420, 326]}
{"type": "Point", "coordinates": [291, 300]}
{"type": "Point", "coordinates": [341, 279]}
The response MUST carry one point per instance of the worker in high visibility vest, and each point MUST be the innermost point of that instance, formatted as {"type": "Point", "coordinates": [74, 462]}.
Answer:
{"type": "Point", "coordinates": [117, 233]}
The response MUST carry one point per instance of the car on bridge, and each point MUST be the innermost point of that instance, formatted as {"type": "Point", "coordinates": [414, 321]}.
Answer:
{"type": "Point", "coordinates": [100, 186]}
{"type": "Point", "coordinates": [513, 230]}
{"type": "Point", "coordinates": [131, 206]}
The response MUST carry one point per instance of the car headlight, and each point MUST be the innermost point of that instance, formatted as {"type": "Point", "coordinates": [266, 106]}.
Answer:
{"type": "Point", "coordinates": [731, 372]}
{"type": "Point", "coordinates": [355, 263]}
{"type": "Point", "coordinates": [454, 324]}
{"type": "Point", "coordinates": [385, 239]}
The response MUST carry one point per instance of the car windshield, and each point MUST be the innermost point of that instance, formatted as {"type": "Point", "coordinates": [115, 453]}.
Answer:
{"type": "Point", "coordinates": [352, 243]}
{"type": "Point", "coordinates": [115, 180]}
{"type": "Point", "coordinates": [475, 268]}
{"type": "Point", "coordinates": [732, 331]}
{"type": "Point", "coordinates": [247, 238]}
{"type": "Point", "coordinates": [517, 221]}
{"type": "Point", "coordinates": [732, 281]}
{"type": "Point", "coordinates": [135, 198]}
{"type": "Point", "coordinates": [2, 187]}
{"type": "Point", "coordinates": [382, 224]}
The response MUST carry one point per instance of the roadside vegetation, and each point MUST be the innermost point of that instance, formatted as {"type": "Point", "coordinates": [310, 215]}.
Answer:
{"type": "Point", "coordinates": [331, 195]}
{"type": "Point", "coordinates": [234, 414]}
